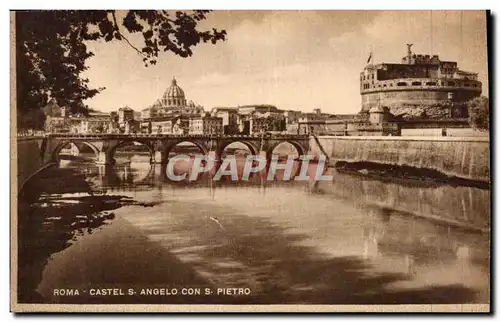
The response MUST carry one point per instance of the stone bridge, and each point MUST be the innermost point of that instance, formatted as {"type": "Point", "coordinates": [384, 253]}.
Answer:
{"type": "Point", "coordinates": [45, 150]}
{"type": "Point", "coordinates": [160, 146]}
{"type": "Point", "coordinates": [463, 157]}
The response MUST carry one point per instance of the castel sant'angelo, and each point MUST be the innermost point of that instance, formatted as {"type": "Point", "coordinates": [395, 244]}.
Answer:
{"type": "Point", "coordinates": [420, 86]}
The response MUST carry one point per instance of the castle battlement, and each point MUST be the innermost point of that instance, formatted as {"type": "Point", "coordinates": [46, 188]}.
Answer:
{"type": "Point", "coordinates": [418, 80]}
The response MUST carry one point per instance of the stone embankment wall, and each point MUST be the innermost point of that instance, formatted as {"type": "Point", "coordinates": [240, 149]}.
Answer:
{"type": "Point", "coordinates": [464, 157]}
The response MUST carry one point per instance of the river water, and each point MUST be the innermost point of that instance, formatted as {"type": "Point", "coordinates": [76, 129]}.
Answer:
{"type": "Point", "coordinates": [352, 240]}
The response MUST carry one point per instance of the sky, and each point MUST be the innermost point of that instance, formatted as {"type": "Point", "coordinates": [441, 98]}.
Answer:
{"type": "Point", "coordinates": [299, 60]}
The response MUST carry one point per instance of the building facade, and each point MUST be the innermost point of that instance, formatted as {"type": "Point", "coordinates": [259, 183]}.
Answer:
{"type": "Point", "coordinates": [206, 125]}
{"type": "Point", "coordinates": [255, 119]}
{"type": "Point", "coordinates": [161, 125]}
{"type": "Point", "coordinates": [125, 114]}
{"type": "Point", "coordinates": [292, 117]}
{"type": "Point", "coordinates": [229, 116]}
{"type": "Point", "coordinates": [178, 125]}
{"type": "Point", "coordinates": [96, 122]}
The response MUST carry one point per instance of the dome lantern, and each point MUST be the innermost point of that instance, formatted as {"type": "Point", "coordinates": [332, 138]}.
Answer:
{"type": "Point", "coordinates": [174, 95]}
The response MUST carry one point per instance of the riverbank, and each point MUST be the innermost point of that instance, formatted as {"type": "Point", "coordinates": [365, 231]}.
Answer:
{"type": "Point", "coordinates": [404, 174]}
{"type": "Point", "coordinates": [457, 157]}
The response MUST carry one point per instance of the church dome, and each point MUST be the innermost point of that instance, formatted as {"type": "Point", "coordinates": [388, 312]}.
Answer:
{"type": "Point", "coordinates": [174, 96]}
{"type": "Point", "coordinates": [174, 91]}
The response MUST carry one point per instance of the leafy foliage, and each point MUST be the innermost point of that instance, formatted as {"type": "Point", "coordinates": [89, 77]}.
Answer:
{"type": "Point", "coordinates": [51, 49]}
{"type": "Point", "coordinates": [32, 119]}
{"type": "Point", "coordinates": [273, 123]}
{"type": "Point", "coordinates": [479, 113]}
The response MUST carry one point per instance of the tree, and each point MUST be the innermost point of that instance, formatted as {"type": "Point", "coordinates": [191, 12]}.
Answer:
{"type": "Point", "coordinates": [32, 119]}
{"type": "Point", "coordinates": [52, 109]}
{"type": "Point", "coordinates": [274, 123]}
{"type": "Point", "coordinates": [479, 113]}
{"type": "Point", "coordinates": [51, 48]}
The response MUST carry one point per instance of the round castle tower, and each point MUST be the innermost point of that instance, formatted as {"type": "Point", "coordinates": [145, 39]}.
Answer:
{"type": "Point", "coordinates": [417, 83]}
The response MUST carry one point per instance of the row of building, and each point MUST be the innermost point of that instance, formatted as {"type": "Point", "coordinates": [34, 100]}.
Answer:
{"type": "Point", "coordinates": [173, 114]}
{"type": "Point", "coordinates": [421, 91]}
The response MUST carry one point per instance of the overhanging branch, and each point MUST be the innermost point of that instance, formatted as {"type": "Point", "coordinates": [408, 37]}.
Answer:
{"type": "Point", "coordinates": [117, 29]}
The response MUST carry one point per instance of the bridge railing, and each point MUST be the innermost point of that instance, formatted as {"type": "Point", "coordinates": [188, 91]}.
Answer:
{"type": "Point", "coordinates": [163, 136]}
{"type": "Point", "coordinates": [29, 137]}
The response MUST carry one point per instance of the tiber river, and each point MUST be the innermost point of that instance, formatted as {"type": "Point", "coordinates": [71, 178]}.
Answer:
{"type": "Point", "coordinates": [353, 240]}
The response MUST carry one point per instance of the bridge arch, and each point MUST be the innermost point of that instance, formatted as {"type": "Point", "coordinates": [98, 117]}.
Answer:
{"type": "Point", "coordinates": [59, 147]}
{"type": "Point", "coordinates": [111, 152]}
{"type": "Point", "coordinates": [301, 150]}
{"type": "Point", "coordinates": [200, 145]}
{"type": "Point", "coordinates": [25, 190]}
{"type": "Point", "coordinates": [254, 150]}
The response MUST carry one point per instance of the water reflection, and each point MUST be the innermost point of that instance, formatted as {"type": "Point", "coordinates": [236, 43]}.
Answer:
{"type": "Point", "coordinates": [453, 205]}
{"type": "Point", "coordinates": [55, 212]}
{"type": "Point", "coordinates": [351, 240]}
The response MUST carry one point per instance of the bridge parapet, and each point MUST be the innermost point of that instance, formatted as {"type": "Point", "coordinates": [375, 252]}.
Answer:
{"type": "Point", "coordinates": [46, 147]}
{"type": "Point", "coordinates": [105, 145]}
{"type": "Point", "coordinates": [29, 138]}
{"type": "Point", "coordinates": [106, 136]}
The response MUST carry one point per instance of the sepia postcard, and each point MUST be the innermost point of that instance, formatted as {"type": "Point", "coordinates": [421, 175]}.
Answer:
{"type": "Point", "coordinates": [250, 161]}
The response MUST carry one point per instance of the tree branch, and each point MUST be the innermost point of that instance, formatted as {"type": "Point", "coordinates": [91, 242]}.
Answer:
{"type": "Point", "coordinates": [117, 29]}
